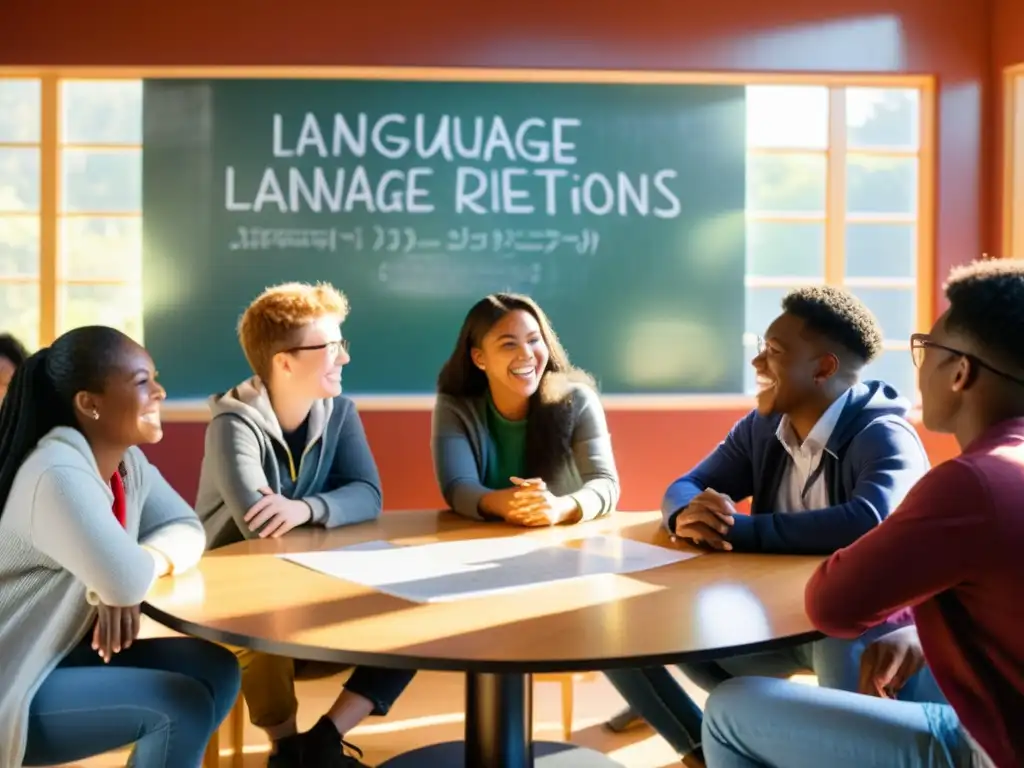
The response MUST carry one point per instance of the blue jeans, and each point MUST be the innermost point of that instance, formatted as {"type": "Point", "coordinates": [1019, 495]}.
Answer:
{"type": "Point", "coordinates": [655, 696]}
{"type": "Point", "coordinates": [166, 695]}
{"type": "Point", "coordinates": [756, 721]}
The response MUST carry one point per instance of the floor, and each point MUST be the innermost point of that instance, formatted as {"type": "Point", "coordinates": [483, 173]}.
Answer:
{"type": "Point", "coordinates": [431, 711]}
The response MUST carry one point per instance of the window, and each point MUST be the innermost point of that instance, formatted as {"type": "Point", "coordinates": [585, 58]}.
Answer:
{"type": "Point", "coordinates": [99, 275]}
{"type": "Point", "coordinates": [1013, 183]}
{"type": "Point", "coordinates": [833, 198]}
{"type": "Point", "coordinates": [20, 152]}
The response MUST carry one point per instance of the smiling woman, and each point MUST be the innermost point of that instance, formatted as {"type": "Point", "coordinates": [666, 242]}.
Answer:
{"type": "Point", "coordinates": [94, 379]}
{"type": "Point", "coordinates": [518, 433]}
{"type": "Point", "coordinates": [84, 514]}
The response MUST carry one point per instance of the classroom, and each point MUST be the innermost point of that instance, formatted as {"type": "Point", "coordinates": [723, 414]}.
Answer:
{"type": "Point", "coordinates": [657, 176]}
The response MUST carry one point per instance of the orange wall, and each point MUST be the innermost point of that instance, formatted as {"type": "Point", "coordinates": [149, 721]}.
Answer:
{"type": "Point", "coordinates": [950, 39]}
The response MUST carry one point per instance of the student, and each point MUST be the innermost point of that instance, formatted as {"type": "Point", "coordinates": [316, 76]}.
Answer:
{"type": "Point", "coordinates": [87, 525]}
{"type": "Point", "coordinates": [285, 449]}
{"type": "Point", "coordinates": [12, 354]}
{"type": "Point", "coordinates": [518, 434]}
{"type": "Point", "coordinates": [825, 459]}
{"type": "Point", "coordinates": [951, 553]}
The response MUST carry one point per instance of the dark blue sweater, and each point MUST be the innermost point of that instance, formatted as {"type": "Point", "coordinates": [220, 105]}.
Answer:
{"type": "Point", "coordinates": [873, 458]}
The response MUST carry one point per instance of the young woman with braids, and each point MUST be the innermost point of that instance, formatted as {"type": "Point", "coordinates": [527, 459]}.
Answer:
{"type": "Point", "coordinates": [87, 524]}
{"type": "Point", "coordinates": [518, 434]}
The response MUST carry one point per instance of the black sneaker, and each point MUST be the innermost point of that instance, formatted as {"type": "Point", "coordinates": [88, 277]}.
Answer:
{"type": "Point", "coordinates": [322, 747]}
{"type": "Point", "coordinates": [285, 755]}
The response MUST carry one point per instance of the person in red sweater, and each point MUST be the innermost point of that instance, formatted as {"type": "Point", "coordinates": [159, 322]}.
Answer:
{"type": "Point", "coordinates": [952, 552]}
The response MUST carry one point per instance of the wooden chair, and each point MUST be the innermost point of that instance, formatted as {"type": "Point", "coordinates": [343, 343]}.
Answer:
{"type": "Point", "coordinates": [568, 681]}
{"type": "Point", "coordinates": [235, 720]}
{"type": "Point", "coordinates": [236, 723]}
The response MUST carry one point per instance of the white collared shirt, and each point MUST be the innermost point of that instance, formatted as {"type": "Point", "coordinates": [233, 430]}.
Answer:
{"type": "Point", "coordinates": [803, 486]}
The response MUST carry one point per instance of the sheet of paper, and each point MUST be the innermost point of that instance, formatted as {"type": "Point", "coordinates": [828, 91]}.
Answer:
{"type": "Point", "coordinates": [476, 567]}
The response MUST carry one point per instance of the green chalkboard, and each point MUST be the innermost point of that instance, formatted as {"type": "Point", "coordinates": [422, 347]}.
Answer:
{"type": "Point", "coordinates": [619, 207]}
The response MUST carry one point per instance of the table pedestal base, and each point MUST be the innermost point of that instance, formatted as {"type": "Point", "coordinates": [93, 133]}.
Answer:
{"type": "Point", "coordinates": [499, 728]}
{"type": "Point", "coordinates": [546, 754]}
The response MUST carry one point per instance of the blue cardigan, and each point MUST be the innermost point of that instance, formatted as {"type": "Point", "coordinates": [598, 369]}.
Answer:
{"type": "Point", "coordinates": [873, 458]}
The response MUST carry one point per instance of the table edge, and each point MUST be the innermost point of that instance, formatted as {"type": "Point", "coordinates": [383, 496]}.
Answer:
{"type": "Point", "coordinates": [412, 661]}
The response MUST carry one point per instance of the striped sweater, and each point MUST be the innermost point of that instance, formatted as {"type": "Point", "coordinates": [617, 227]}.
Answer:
{"type": "Point", "coordinates": [61, 545]}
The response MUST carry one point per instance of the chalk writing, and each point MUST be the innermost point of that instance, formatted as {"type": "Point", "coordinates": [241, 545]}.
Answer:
{"type": "Point", "coordinates": [408, 240]}
{"type": "Point", "coordinates": [538, 173]}
{"type": "Point", "coordinates": [285, 239]}
{"type": "Point", "coordinates": [521, 241]}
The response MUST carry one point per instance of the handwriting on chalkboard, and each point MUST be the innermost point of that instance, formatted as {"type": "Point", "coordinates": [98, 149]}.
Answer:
{"type": "Point", "coordinates": [526, 168]}
{"type": "Point", "coordinates": [409, 240]}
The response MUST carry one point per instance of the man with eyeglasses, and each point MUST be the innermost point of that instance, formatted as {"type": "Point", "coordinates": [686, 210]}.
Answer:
{"type": "Point", "coordinates": [824, 459]}
{"type": "Point", "coordinates": [286, 449]}
{"type": "Point", "coordinates": [952, 553]}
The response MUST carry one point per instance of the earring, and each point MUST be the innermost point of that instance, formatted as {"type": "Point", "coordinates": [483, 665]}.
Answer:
{"type": "Point", "coordinates": [95, 414]}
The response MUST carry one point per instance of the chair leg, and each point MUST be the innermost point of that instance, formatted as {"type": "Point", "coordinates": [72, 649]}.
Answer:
{"type": "Point", "coordinates": [211, 759]}
{"type": "Point", "coordinates": [237, 718]}
{"type": "Point", "coordinates": [567, 702]}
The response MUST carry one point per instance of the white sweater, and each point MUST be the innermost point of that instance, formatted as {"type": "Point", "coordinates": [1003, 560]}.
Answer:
{"type": "Point", "coordinates": [59, 541]}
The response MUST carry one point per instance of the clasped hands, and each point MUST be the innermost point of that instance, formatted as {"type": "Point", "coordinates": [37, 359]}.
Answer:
{"type": "Point", "coordinates": [706, 520]}
{"type": "Point", "coordinates": [115, 630]}
{"type": "Point", "coordinates": [529, 503]}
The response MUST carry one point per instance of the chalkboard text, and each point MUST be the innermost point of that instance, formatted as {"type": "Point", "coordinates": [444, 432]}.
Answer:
{"type": "Point", "coordinates": [537, 169]}
{"type": "Point", "coordinates": [405, 240]}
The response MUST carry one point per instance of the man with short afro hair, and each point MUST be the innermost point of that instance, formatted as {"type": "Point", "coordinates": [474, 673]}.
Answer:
{"type": "Point", "coordinates": [824, 458]}
{"type": "Point", "coordinates": [286, 449]}
{"type": "Point", "coordinates": [839, 316]}
{"type": "Point", "coordinates": [986, 302]}
{"type": "Point", "coordinates": [951, 553]}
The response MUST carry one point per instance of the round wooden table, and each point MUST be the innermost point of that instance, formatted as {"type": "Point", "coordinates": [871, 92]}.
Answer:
{"type": "Point", "coordinates": [705, 607]}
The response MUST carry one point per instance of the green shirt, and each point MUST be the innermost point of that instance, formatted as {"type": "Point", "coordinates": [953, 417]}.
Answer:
{"type": "Point", "coordinates": [509, 459]}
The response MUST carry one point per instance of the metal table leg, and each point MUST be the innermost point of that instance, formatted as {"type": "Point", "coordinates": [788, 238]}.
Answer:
{"type": "Point", "coordinates": [499, 732]}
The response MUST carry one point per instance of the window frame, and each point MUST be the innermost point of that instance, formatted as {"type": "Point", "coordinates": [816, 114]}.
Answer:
{"type": "Point", "coordinates": [836, 217]}
{"type": "Point", "coordinates": [62, 280]}
{"type": "Point", "coordinates": [1013, 162]}
{"type": "Point", "coordinates": [39, 144]}
{"type": "Point", "coordinates": [51, 147]}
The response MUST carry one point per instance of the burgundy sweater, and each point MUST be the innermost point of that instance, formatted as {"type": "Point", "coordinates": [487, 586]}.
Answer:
{"type": "Point", "coordinates": [953, 552]}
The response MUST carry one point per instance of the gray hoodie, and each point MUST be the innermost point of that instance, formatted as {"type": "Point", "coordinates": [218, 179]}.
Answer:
{"type": "Point", "coordinates": [245, 451]}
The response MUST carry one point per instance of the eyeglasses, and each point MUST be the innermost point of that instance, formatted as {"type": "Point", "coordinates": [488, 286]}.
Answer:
{"type": "Point", "coordinates": [333, 347]}
{"type": "Point", "coordinates": [919, 342]}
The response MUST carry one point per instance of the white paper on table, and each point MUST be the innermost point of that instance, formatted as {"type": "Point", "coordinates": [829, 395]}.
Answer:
{"type": "Point", "coordinates": [475, 567]}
